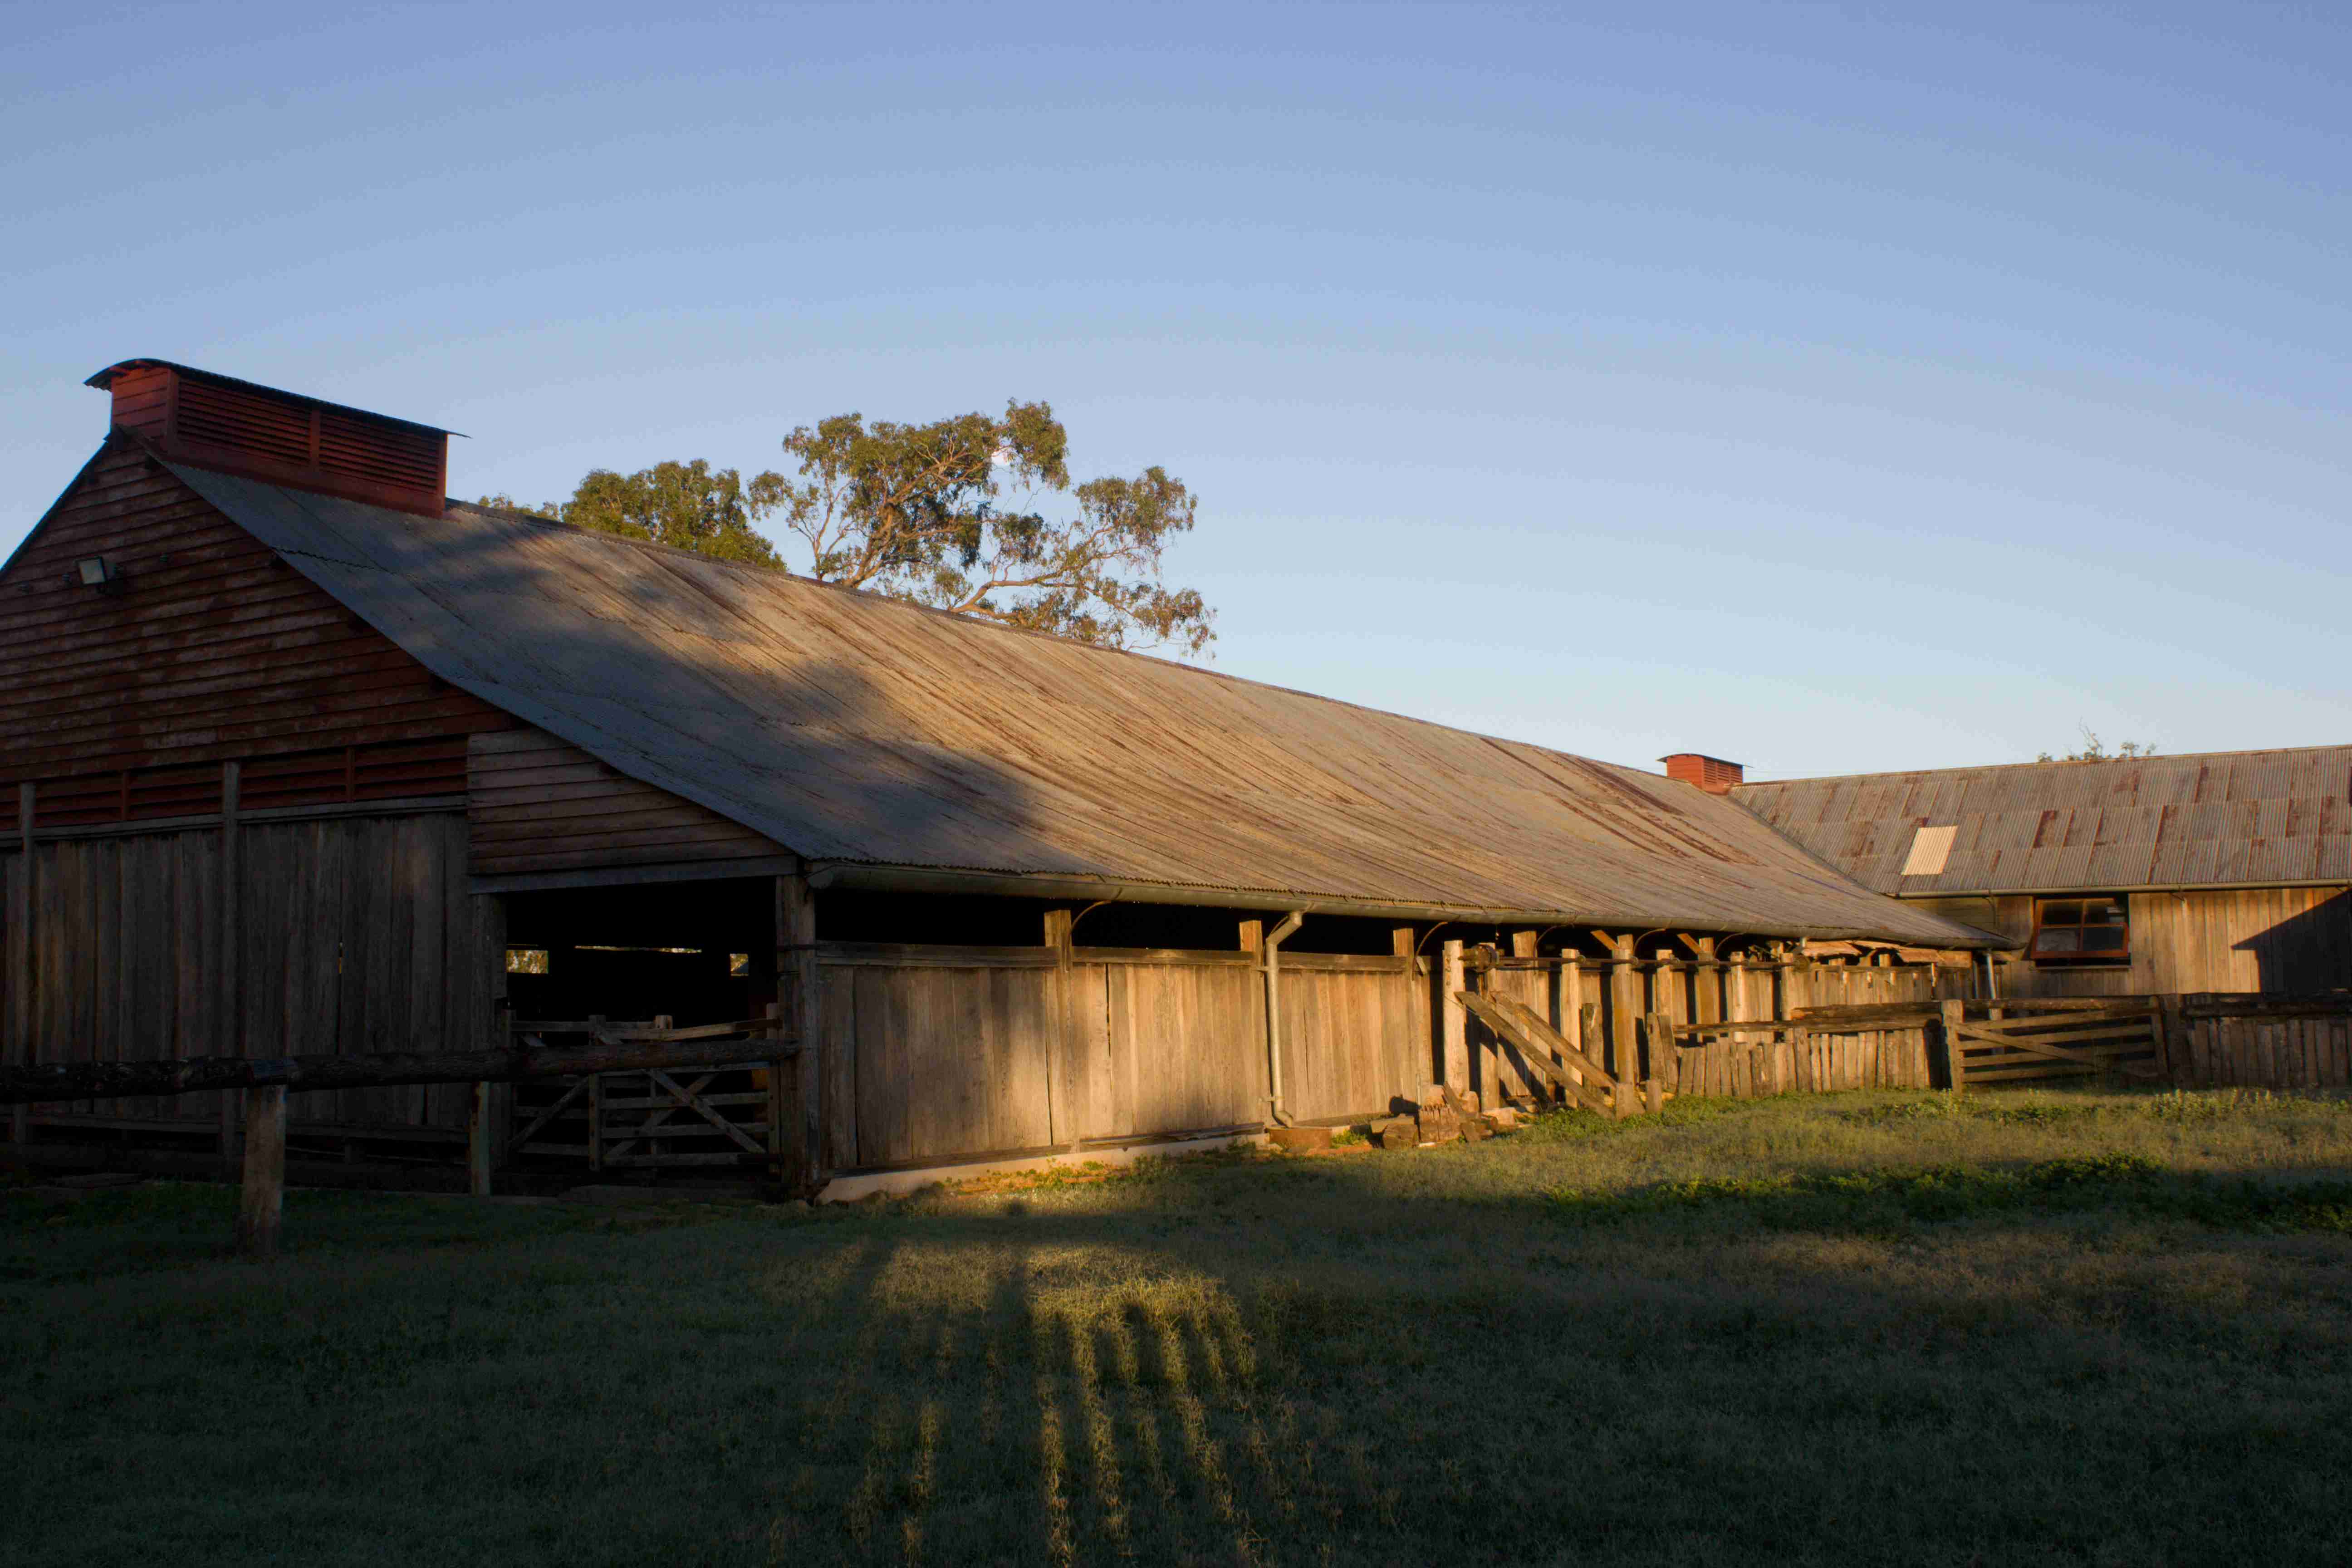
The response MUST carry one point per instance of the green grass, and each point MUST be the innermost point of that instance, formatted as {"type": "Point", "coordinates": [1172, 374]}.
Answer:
{"type": "Point", "coordinates": [2034, 1329]}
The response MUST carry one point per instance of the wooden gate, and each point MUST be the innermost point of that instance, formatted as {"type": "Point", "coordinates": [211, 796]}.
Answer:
{"type": "Point", "coordinates": [2011, 1042]}
{"type": "Point", "coordinates": [684, 1117]}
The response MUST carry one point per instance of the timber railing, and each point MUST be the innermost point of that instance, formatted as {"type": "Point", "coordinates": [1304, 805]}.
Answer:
{"type": "Point", "coordinates": [723, 1107]}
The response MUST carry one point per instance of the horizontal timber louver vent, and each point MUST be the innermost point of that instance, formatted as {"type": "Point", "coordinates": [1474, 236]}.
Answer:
{"type": "Point", "coordinates": [219, 422]}
{"type": "Point", "coordinates": [274, 429]}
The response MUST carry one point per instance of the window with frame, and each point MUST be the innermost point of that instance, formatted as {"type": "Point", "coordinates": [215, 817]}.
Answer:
{"type": "Point", "coordinates": [2080, 930]}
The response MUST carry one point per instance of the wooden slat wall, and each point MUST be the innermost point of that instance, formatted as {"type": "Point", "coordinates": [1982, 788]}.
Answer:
{"type": "Point", "coordinates": [358, 936]}
{"type": "Point", "coordinates": [537, 803]}
{"type": "Point", "coordinates": [1353, 1041]}
{"type": "Point", "coordinates": [949, 1053]}
{"type": "Point", "coordinates": [215, 648]}
{"type": "Point", "coordinates": [2260, 1052]}
{"type": "Point", "coordinates": [2259, 939]}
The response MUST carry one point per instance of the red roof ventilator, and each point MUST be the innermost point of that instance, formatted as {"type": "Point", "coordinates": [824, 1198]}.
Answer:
{"type": "Point", "coordinates": [1712, 775]}
{"type": "Point", "coordinates": [219, 422]}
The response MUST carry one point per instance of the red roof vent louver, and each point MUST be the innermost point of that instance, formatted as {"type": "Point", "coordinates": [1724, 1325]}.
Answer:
{"type": "Point", "coordinates": [1712, 775]}
{"type": "Point", "coordinates": [236, 426]}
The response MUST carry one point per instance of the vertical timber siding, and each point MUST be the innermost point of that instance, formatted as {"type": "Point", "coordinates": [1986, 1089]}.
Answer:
{"type": "Point", "coordinates": [359, 936]}
{"type": "Point", "coordinates": [2244, 939]}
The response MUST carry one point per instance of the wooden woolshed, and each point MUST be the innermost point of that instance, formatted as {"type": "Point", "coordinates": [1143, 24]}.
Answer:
{"type": "Point", "coordinates": [2224, 872]}
{"type": "Point", "coordinates": [301, 757]}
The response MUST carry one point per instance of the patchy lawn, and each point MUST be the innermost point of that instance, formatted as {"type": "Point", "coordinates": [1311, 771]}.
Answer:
{"type": "Point", "coordinates": [2062, 1329]}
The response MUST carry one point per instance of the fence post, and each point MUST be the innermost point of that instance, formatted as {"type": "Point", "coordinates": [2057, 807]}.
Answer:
{"type": "Point", "coordinates": [20, 981]}
{"type": "Point", "coordinates": [230, 1019]}
{"type": "Point", "coordinates": [1662, 1057]}
{"type": "Point", "coordinates": [1622, 1005]}
{"type": "Point", "coordinates": [261, 1195]}
{"type": "Point", "coordinates": [796, 958]}
{"type": "Point", "coordinates": [1455, 1024]}
{"type": "Point", "coordinates": [1953, 1013]}
{"type": "Point", "coordinates": [477, 1141]}
{"type": "Point", "coordinates": [1796, 992]}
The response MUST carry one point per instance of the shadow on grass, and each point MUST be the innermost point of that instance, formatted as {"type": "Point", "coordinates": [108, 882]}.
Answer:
{"type": "Point", "coordinates": [2086, 1358]}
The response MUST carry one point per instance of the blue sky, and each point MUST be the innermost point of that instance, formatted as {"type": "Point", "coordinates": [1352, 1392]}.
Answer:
{"type": "Point", "coordinates": [1830, 388]}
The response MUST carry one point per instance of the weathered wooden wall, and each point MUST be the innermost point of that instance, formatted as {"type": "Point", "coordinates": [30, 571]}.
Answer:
{"type": "Point", "coordinates": [214, 648]}
{"type": "Point", "coordinates": [537, 803]}
{"type": "Point", "coordinates": [356, 935]}
{"type": "Point", "coordinates": [2218, 1042]}
{"type": "Point", "coordinates": [943, 1053]}
{"type": "Point", "coordinates": [2245, 940]}
{"type": "Point", "coordinates": [1688, 991]}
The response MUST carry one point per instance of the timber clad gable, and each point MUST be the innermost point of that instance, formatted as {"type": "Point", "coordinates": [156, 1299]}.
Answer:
{"type": "Point", "coordinates": [213, 649]}
{"type": "Point", "coordinates": [538, 804]}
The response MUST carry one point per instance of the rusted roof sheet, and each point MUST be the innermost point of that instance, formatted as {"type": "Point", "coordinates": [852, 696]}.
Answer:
{"type": "Point", "coordinates": [854, 729]}
{"type": "Point", "coordinates": [2220, 819]}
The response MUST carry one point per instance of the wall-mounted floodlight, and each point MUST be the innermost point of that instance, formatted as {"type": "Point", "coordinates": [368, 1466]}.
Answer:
{"type": "Point", "coordinates": [97, 572]}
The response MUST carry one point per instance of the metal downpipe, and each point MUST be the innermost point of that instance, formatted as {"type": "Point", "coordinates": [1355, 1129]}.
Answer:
{"type": "Point", "coordinates": [1272, 964]}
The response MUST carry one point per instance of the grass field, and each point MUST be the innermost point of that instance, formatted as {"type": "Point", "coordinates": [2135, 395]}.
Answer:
{"type": "Point", "coordinates": [2048, 1329]}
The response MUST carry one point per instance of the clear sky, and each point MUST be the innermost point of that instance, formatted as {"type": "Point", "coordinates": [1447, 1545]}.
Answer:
{"type": "Point", "coordinates": [1826, 387]}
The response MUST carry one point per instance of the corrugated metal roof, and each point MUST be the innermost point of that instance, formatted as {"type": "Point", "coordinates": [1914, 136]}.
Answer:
{"type": "Point", "coordinates": [851, 728]}
{"type": "Point", "coordinates": [2220, 819]}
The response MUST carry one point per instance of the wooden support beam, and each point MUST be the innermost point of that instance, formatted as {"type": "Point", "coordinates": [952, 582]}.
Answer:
{"type": "Point", "coordinates": [229, 1013]}
{"type": "Point", "coordinates": [796, 984]}
{"type": "Point", "coordinates": [20, 953]}
{"type": "Point", "coordinates": [1753, 1079]}
{"type": "Point", "coordinates": [1539, 1044]}
{"type": "Point", "coordinates": [479, 1139]}
{"type": "Point", "coordinates": [261, 1195]}
{"type": "Point", "coordinates": [1065, 1078]}
{"type": "Point", "coordinates": [1401, 942]}
{"type": "Point", "coordinates": [1661, 1031]}
{"type": "Point", "coordinates": [1588, 1038]}
{"type": "Point", "coordinates": [1624, 1007]}
{"type": "Point", "coordinates": [1955, 1068]}
{"type": "Point", "coordinates": [1796, 995]}
{"type": "Point", "coordinates": [1455, 1021]}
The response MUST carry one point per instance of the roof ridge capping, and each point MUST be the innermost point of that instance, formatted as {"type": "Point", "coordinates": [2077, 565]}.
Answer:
{"type": "Point", "coordinates": [2168, 757]}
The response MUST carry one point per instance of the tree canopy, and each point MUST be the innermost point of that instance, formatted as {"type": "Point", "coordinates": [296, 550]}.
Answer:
{"type": "Point", "coordinates": [687, 505]}
{"type": "Point", "coordinates": [977, 514]}
{"type": "Point", "coordinates": [2093, 752]}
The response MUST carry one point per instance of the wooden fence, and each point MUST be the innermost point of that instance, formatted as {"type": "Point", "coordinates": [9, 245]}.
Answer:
{"type": "Point", "coordinates": [2268, 1040]}
{"type": "Point", "coordinates": [1732, 1027]}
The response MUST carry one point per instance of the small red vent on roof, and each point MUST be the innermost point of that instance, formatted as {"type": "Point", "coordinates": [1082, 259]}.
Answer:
{"type": "Point", "coordinates": [220, 422]}
{"type": "Point", "coordinates": [1712, 775]}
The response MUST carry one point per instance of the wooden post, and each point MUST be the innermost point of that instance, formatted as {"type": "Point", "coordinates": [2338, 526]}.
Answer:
{"type": "Point", "coordinates": [1624, 1063]}
{"type": "Point", "coordinates": [1662, 1058]}
{"type": "Point", "coordinates": [487, 1121]}
{"type": "Point", "coordinates": [261, 1198]}
{"type": "Point", "coordinates": [1451, 980]}
{"type": "Point", "coordinates": [20, 979]}
{"type": "Point", "coordinates": [1065, 1078]}
{"type": "Point", "coordinates": [478, 1158]}
{"type": "Point", "coordinates": [2171, 1059]}
{"type": "Point", "coordinates": [1745, 1077]}
{"type": "Point", "coordinates": [230, 1018]}
{"type": "Point", "coordinates": [1522, 1084]}
{"type": "Point", "coordinates": [1721, 1052]}
{"type": "Point", "coordinates": [1796, 990]}
{"type": "Point", "coordinates": [1953, 1013]}
{"type": "Point", "coordinates": [796, 959]}
{"type": "Point", "coordinates": [777, 1103]}
{"type": "Point", "coordinates": [596, 1111]}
